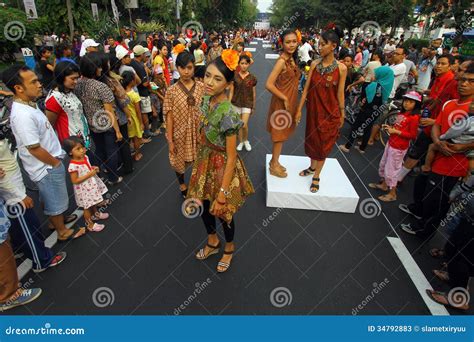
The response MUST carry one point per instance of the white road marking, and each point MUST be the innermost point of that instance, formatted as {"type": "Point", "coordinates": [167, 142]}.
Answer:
{"type": "Point", "coordinates": [50, 241]}
{"type": "Point", "coordinates": [271, 56]}
{"type": "Point", "coordinates": [417, 276]}
{"type": "Point", "coordinates": [250, 49]}
{"type": "Point", "coordinates": [412, 268]}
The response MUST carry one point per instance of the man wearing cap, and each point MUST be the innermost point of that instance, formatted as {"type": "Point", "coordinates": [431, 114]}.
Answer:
{"type": "Point", "coordinates": [88, 45]}
{"type": "Point", "coordinates": [143, 87]}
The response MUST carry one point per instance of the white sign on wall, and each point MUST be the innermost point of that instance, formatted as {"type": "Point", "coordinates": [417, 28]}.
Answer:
{"type": "Point", "coordinates": [95, 11]}
{"type": "Point", "coordinates": [130, 3]}
{"type": "Point", "coordinates": [30, 9]}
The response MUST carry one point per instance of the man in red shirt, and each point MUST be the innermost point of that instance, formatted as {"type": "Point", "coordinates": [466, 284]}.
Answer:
{"type": "Point", "coordinates": [431, 201]}
{"type": "Point", "coordinates": [437, 99]}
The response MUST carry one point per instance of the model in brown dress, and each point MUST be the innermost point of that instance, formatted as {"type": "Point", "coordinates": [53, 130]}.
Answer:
{"type": "Point", "coordinates": [181, 110]}
{"type": "Point", "coordinates": [325, 106]}
{"type": "Point", "coordinates": [283, 84]}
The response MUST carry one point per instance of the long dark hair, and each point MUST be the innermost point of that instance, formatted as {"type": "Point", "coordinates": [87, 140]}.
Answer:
{"type": "Point", "coordinates": [63, 70]}
{"type": "Point", "coordinates": [282, 38]}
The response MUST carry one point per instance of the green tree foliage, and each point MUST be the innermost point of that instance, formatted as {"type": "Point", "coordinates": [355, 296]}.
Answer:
{"type": "Point", "coordinates": [441, 11]}
{"type": "Point", "coordinates": [347, 14]}
{"type": "Point", "coordinates": [17, 31]}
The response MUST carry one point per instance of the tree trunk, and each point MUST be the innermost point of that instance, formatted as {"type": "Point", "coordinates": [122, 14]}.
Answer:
{"type": "Point", "coordinates": [70, 19]}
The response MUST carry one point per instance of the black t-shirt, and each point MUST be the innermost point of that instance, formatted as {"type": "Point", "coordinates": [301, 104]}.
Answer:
{"type": "Point", "coordinates": [141, 72]}
{"type": "Point", "coordinates": [47, 76]}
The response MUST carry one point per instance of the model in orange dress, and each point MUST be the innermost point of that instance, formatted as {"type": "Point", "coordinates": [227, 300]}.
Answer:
{"type": "Point", "coordinates": [283, 84]}
{"type": "Point", "coordinates": [325, 107]}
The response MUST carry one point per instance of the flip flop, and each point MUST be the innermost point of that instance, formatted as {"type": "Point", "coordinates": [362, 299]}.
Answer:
{"type": "Point", "coordinates": [73, 236]}
{"type": "Point", "coordinates": [441, 275]}
{"type": "Point", "coordinates": [437, 252]}
{"type": "Point", "coordinates": [67, 219]}
{"type": "Point", "coordinates": [430, 294]}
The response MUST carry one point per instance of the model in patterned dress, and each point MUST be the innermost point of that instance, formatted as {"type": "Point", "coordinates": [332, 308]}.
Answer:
{"type": "Point", "coordinates": [325, 106]}
{"type": "Point", "coordinates": [219, 179]}
{"type": "Point", "coordinates": [181, 111]}
{"type": "Point", "coordinates": [88, 187]}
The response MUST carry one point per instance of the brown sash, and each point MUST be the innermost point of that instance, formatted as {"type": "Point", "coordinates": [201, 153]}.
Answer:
{"type": "Point", "coordinates": [191, 101]}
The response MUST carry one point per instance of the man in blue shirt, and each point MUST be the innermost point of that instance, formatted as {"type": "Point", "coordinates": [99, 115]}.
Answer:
{"type": "Point", "coordinates": [64, 53]}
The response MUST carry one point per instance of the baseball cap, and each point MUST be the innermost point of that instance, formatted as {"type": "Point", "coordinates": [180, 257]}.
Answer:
{"type": "Point", "coordinates": [121, 52]}
{"type": "Point", "coordinates": [139, 50]}
{"type": "Point", "coordinates": [413, 95]}
{"type": "Point", "coordinates": [86, 44]}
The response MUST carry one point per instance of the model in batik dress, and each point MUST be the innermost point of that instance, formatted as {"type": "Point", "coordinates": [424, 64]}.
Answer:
{"type": "Point", "coordinates": [283, 84]}
{"type": "Point", "coordinates": [219, 181]}
{"type": "Point", "coordinates": [325, 106]}
{"type": "Point", "coordinates": [181, 111]}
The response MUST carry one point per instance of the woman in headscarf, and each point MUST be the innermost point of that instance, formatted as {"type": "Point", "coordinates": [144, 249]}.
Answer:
{"type": "Point", "coordinates": [374, 100]}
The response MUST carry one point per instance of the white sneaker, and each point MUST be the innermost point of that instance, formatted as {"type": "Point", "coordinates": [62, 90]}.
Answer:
{"type": "Point", "coordinates": [239, 146]}
{"type": "Point", "coordinates": [247, 146]}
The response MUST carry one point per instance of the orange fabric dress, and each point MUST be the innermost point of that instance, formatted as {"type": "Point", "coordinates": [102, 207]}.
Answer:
{"type": "Point", "coordinates": [323, 116]}
{"type": "Point", "coordinates": [281, 123]}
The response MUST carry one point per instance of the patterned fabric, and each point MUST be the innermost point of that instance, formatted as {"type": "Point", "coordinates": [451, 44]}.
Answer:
{"type": "Point", "coordinates": [89, 192]}
{"type": "Point", "coordinates": [243, 90]}
{"type": "Point", "coordinates": [93, 95]}
{"type": "Point", "coordinates": [4, 223]}
{"type": "Point", "coordinates": [220, 121]}
{"type": "Point", "coordinates": [185, 118]}
{"type": "Point", "coordinates": [121, 98]}
{"type": "Point", "coordinates": [70, 116]}
{"type": "Point", "coordinates": [208, 169]}
{"type": "Point", "coordinates": [214, 53]}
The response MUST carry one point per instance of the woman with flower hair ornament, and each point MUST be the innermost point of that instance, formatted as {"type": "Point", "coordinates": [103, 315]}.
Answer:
{"type": "Point", "coordinates": [219, 181]}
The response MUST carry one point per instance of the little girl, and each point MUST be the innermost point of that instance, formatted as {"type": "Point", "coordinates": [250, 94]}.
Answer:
{"type": "Point", "coordinates": [88, 187]}
{"type": "Point", "coordinates": [404, 130]}
{"type": "Point", "coordinates": [242, 93]}
{"type": "Point", "coordinates": [135, 125]}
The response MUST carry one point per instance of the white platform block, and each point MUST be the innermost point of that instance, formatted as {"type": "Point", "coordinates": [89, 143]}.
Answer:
{"type": "Point", "coordinates": [253, 43]}
{"type": "Point", "coordinates": [336, 194]}
{"type": "Point", "coordinates": [271, 56]}
{"type": "Point", "coordinates": [250, 49]}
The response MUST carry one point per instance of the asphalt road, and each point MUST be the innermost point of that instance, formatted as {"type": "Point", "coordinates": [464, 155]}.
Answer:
{"type": "Point", "coordinates": [303, 262]}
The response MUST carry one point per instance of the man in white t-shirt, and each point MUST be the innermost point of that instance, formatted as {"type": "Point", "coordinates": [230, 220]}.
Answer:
{"type": "Point", "coordinates": [38, 147]}
{"type": "Point", "coordinates": [425, 68]}
{"type": "Point", "coordinates": [389, 47]}
{"type": "Point", "coordinates": [399, 70]}
{"type": "Point", "coordinates": [304, 51]}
